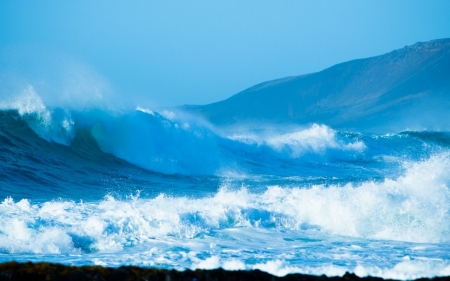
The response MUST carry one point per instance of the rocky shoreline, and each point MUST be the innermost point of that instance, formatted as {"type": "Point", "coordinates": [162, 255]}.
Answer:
{"type": "Point", "coordinates": [47, 271]}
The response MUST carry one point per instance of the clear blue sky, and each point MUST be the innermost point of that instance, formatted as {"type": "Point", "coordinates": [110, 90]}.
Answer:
{"type": "Point", "coordinates": [197, 52]}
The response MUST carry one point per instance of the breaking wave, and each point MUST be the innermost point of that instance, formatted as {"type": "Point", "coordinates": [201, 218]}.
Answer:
{"type": "Point", "coordinates": [161, 188]}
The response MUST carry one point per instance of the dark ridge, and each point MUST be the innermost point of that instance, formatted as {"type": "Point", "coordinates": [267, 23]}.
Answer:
{"type": "Point", "coordinates": [50, 272]}
{"type": "Point", "coordinates": [406, 89]}
{"type": "Point", "coordinates": [440, 138]}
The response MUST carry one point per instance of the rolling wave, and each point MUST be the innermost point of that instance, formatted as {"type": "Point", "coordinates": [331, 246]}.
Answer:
{"type": "Point", "coordinates": [129, 150]}
{"type": "Point", "coordinates": [165, 189]}
{"type": "Point", "coordinates": [413, 207]}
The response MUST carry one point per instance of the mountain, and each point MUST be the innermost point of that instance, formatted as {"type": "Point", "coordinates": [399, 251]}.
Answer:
{"type": "Point", "coordinates": [405, 89]}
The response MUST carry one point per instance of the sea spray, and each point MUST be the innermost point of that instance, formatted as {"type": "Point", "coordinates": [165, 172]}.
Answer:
{"type": "Point", "coordinates": [163, 189]}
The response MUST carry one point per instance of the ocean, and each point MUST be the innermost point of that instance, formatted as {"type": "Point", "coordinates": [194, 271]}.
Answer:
{"type": "Point", "coordinates": [167, 190]}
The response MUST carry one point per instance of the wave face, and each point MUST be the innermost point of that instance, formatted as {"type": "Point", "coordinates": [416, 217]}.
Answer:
{"type": "Point", "coordinates": [166, 190]}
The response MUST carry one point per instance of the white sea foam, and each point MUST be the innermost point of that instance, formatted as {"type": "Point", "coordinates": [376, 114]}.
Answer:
{"type": "Point", "coordinates": [364, 228]}
{"type": "Point", "coordinates": [405, 270]}
{"type": "Point", "coordinates": [28, 103]}
{"type": "Point", "coordinates": [145, 110]}
{"type": "Point", "coordinates": [164, 232]}
{"type": "Point", "coordinates": [414, 207]}
{"type": "Point", "coordinates": [56, 126]}
{"type": "Point", "coordinates": [316, 139]}
{"type": "Point", "coordinates": [169, 114]}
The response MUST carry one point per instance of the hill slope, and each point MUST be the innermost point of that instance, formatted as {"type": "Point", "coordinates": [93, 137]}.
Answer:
{"type": "Point", "coordinates": [408, 88]}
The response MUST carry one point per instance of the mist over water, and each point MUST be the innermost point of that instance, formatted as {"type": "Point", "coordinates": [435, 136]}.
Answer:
{"type": "Point", "coordinates": [96, 185]}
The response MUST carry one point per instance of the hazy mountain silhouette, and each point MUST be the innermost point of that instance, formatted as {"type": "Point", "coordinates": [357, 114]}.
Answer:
{"type": "Point", "coordinates": [408, 88]}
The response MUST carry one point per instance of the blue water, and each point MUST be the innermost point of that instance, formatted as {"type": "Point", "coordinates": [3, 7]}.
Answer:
{"type": "Point", "coordinates": [163, 189]}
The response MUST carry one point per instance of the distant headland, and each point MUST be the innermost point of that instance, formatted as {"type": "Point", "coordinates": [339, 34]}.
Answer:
{"type": "Point", "coordinates": [406, 89]}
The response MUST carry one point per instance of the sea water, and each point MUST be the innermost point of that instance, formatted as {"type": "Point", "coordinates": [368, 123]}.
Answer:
{"type": "Point", "coordinates": [162, 189]}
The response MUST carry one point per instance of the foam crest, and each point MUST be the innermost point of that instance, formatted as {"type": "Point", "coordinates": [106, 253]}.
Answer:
{"type": "Point", "coordinates": [316, 139]}
{"type": "Point", "coordinates": [52, 125]}
{"type": "Point", "coordinates": [413, 207]}
{"type": "Point", "coordinates": [29, 103]}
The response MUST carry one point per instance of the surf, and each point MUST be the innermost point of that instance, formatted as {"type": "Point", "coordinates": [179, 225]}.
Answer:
{"type": "Point", "coordinates": [157, 187]}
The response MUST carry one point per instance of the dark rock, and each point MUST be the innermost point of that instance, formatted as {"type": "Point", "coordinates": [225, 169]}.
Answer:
{"type": "Point", "coordinates": [49, 272]}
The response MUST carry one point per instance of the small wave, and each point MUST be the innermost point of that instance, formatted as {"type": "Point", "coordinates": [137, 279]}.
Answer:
{"type": "Point", "coordinates": [440, 138]}
{"type": "Point", "coordinates": [316, 139]}
{"type": "Point", "coordinates": [413, 207]}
